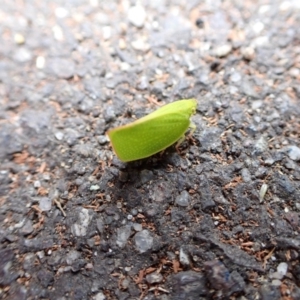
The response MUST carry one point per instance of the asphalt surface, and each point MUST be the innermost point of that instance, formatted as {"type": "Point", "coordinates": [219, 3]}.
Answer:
{"type": "Point", "coordinates": [217, 218]}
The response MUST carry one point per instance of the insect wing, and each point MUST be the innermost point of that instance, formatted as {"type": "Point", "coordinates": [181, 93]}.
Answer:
{"type": "Point", "coordinates": [147, 138]}
{"type": "Point", "coordinates": [154, 132]}
{"type": "Point", "coordinates": [187, 107]}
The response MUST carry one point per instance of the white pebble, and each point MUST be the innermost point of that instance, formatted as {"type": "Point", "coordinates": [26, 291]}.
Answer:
{"type": "Point", "coordinates": [137, 16]}
{"type": "Point", "coordinates": [223, 50]}
{"type": "Point", "coordinates": [282, 268]}
{"type": "Point", "coordinates": [262, 192]}
{"type": "Point", "coordinates": [19, 39]}
{"type": "Point", "coordinates": [276, 282]}
{"type": "Point", "coordinates": [61, 12]}
{"type": "Point", "coordinates": [59, 135]}
{"type": "Point", "coordinates": [37, 184]}
{"type": "Point", "coordinates": [40, 62]}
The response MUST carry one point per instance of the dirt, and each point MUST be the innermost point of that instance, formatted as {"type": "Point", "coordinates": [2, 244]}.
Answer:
{"type": "Point", "coordinates": [216, 219]}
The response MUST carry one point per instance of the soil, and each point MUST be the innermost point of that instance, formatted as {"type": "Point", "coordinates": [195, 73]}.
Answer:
{"type": "Point", "coordinates": [217, 218]}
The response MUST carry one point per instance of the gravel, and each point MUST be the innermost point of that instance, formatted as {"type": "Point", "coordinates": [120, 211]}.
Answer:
{"type": "Point", "coordinates": [216, 219]}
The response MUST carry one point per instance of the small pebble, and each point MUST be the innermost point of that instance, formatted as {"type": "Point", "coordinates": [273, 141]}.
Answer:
{"type": "Point", "coordinates": [184, 258]}
{"type": "Point", "coordinates": [282, 269]}
{"type": "Point", "coordinates": [276, 282]}
{"type": "Point", "coordinates": [235, 77]}
{"type": "Point", "coordinates": [183, 199]}
{"type": "Point", "coordinates": [19, 39]}
{"type": "Point", "coordinates": [89, 266]}
{"type": "Point", "coordinates": [246, 175]}
{"type": "Point", "coordinates": [27, 228]}
{"type": "Point", "coordinates": [123, 235]}
{"type": "Point", "coordinates": [143, 241]}
{"type": "Point", "coordinates": [40, 254]}
{"type": "Point", "coordinates": [127, 269]}
{"type": "Point", "coordinates": [58, 33]}
{"type": "Point", "coordinates": [269, 161]}
{"type": "Point", "coordinates": [106, 32]}
{"type": "Point", "coordinates": [59, 135]}
{"type": "Point", "coordinates": [258, 27]}
{"type": "Point", "coordinates": [45, 204]}
{"type": "Point", "coordinates": [137, 227]}
{"type": "Point", "coordinates": [140, 45]}
{"type": "Point", "coordinates": [82, 222]}
{"type": "Point", "coordinates": [248, 53]}
{"type": "Point", "coordinates": [72, 256]}
{"type": "Point", "coordinates": [61, 12]}
{"type": "Point", "coordinates": [37, 184]}
{"type": "Point", "coordinates": [260, 42]}
{"type": "Point", "coordinates": [125, 283]}
{"type": "Point", "coordinates": [295, 72]}
{"type": "Point", "coordinates": [100, 296]}
{"type": "Point", "coordinates": [260, 146]}
{"type": "Point", "coordinates": [40, 62]}
{"type": "Point", "coordinates": [223, 50]}
{"type": "Point", "coordinates": [123, 176]}
{"type": "Point", "coordinates": [102, 139]}
{"type": "Point", "coordinates": [293, 152]}
{"type": "Point", "coordinates": [137, 16]}
{"type": "Point", "coordinates": [154, 278]}
{"type": "Point", "coordinates": [94, 187]}
{"type": "Point", "coordinates": [262, 192]}
{"type": "Point", "coordinates": [22, 55]}
{"type": "Point", "coordinates": [122, 44]}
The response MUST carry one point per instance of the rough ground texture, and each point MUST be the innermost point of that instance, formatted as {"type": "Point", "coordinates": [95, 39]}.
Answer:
{"type": "Point", "coordinates": [217, 220]}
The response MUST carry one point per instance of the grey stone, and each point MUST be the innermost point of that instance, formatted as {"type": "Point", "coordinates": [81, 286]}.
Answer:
{"type": "Point", "coordinates": [146, 176]}
{"type": "Point", "coordinates": [137, 227]}
{"type": "Point", "coordinates": [183, 199]}
{"type": "Point", "coordinates": [37, 244]}
{"type": "Point", "coordinates": [269, 292]}
{"type": "Point", "coordinates": [45, 277]}
{"type": "Point", "coordinates": [237, 256]}
{"type": "Point", "coordinates": [188, 285]}
{"type": "Point", "coordinates": [210, 139]}
{"type": "Point", "coordinates": [154, 278]}
{"type": "Point", "coordinates": [45, 203]}
{"type": "Point", "coordinates": [248, 53]}
{"type": "Point", "coordinates": [85, 150]}
{"type": "Point", "coordinates": [184, 258]}
{"type": "Point", "coordinates": [6, 274]}
{"type": "Point", "coordinates": [100, 225]}
{"type": "Point", "coordinates": [109, 114]}
{"type": "Point", "coordinates": [143, 83]}
{"type": "Point", "coordinates": [99, 296]}
{"type": "Point", "coordinates": [260, 146]}
{"type": "Point", "coordinates": [293, 152]}
{"type": "Point", "coordinates": [72, 256]}
{"type": "Point", "coordinates": [59, 135]}
{"type": "Point", "coordinates": [143, 241]}
{"type": "Point", "coordinates": [102, 139]}
{"type": "Point", "coordinates": [61, 67]}
{"type": "Point", "coordinates": [84, 219]}
{"type": "Point", "coordinates": [246, 175]}
{"type": "Point", "coordinates": [27, 227]}
{"type": "Point", "coordinates": [9, 141]}
{"type": "Point", "coordinates": [123, 235]}
{"type": "Point", "coordinates": [161, 192]}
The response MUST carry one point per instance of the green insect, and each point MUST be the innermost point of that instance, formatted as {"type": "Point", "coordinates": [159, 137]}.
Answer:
{"type": "Point", "coordinates": [154, 132]}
